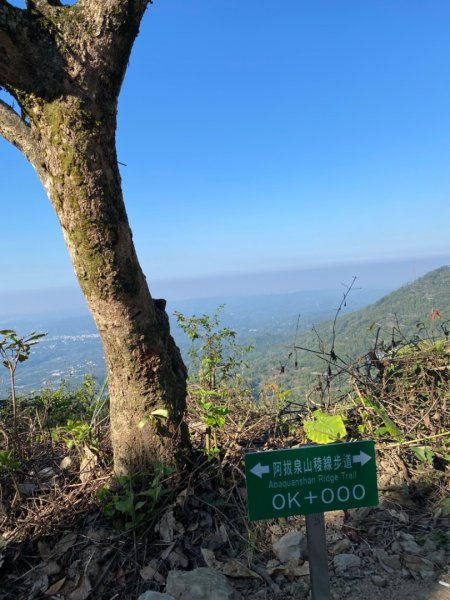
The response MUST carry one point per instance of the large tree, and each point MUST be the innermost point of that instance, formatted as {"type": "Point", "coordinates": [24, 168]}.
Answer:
{"type": "Point", "coordinates": [64, 65]}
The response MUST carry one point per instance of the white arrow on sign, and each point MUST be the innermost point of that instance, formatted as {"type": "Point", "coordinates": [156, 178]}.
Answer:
{"type": "Point", "coordinates": [362, 458]}
{"type": "Point", "coordinates": [259, 470]}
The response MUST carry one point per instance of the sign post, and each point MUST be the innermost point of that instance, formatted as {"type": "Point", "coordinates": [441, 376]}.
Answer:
{"type": "Point", "coordinates": [311, 480]}
{"type": "Point", "coordinates": [318, 557]}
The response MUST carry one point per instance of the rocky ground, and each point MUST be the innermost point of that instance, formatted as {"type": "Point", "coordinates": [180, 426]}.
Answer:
{"type": "Point", "coordinates": [200, 545]}
{"type": "Point", "coordinates": [387, 552]}
{"type": "Point", "coordinates": [57, 542]}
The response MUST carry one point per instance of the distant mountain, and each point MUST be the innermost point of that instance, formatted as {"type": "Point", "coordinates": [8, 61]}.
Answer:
{"type": "Point", "coordinates": [402, 314]}
{"type": "Point", "coordinates": [396, 314]}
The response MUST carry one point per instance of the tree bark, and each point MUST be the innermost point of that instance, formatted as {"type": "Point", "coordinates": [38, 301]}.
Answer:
{"type": "Point", "coordinates": [76, 59]}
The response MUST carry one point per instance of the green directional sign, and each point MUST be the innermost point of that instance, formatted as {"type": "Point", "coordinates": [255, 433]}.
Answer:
{"type": "Point", "coordinates": [311, 479]}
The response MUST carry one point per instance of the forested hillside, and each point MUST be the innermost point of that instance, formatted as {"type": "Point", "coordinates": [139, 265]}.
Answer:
{"type": "Point", "coordinates": [419, 308]}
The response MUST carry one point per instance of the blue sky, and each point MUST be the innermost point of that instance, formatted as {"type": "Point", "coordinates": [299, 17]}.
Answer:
{"type": "Point", "coordinates": [266, 136]}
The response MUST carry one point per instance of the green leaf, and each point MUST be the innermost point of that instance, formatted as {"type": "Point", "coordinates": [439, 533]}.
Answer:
{"type": "Point", "coordinates": [124, 504]}
{"type": "Point", "coordinates": [424, 454]}
{"type": "Point", "coordinates": [160, 413]}
{"type": "Point", "coordinates": [382, 430]}
{"type": "Point", "coordinates": [7, 461]}
{"type": "Point", "coordinates": [379, 410]}
{"type": "Point", "coordinates": [33, 337]}
{"type": "Point", "coordinates": [325, 429]}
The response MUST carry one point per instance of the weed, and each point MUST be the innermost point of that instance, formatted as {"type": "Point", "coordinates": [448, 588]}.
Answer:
{"type": "Point", "coordinates": [10, 464]}
{"type": "Point", "coordinates": [214, 417]}
{"type": "Point", "coordinates": [78, 434]}
{"type": "Point", "coordinates": [214, 354]}
{"type": "Point", "coordinates": [129, 508]}
{"type": "Point", "coordinates": [15, 349]}
{"type": "Point", "coordinates": [216, 361]}
{"type": "Point", "coordinates": [52, 408]}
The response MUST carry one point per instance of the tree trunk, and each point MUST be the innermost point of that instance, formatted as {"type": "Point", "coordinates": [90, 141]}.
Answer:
{"type": "Point", "coordinates": [71, 109]}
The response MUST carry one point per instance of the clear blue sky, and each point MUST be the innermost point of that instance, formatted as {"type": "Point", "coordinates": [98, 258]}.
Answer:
{"type": "Point", "coordinates": [265, 136]}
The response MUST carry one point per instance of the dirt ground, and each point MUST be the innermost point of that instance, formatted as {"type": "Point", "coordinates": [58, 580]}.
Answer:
{"type": "Point", "coordinates": [58, 543]}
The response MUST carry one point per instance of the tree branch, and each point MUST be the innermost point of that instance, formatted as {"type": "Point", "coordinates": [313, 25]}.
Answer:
{"type": "Point", "coordinates": [138, 6]}
{"type": "Point", "coordinates": [115, 11]}
{"type": "Point", "coordinates": [45, 52]}
{"type": "Point", "coordinates": [43, 6]}
{"type": "Point", "coordinates": [8, 14]}
{"type": "Point", "coordinates": [5, 3]}
{"type": "Point", "coordinates": [16, 131]}
{"type": "Point", "coordinates": [29, 58]}
{"type": "Point", "coordinates": [113, 25]}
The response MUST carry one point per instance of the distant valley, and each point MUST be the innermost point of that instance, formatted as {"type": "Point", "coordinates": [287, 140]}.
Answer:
{"type": "Point", "coordinates": [273, 324]}
{"type": "Point", "coordinates": [72, 346]}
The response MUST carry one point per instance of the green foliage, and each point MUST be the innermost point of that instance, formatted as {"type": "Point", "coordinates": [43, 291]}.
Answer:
{"type": "Point", "coordinates": [213, 414]}
{"type": "Point", "coordinates": [71, 415]}
{"type": "Point", "coordinates": [325, 428]}
{"type": "Point", "coordinates": [78, 434]}
{"type": "Point", "coordinates": [52, 407]}
{"type": "Point", "coordinates": [428, 455]}
{"type": "Point", "coordinates": [273, 397]}
{"type": "Point", "coordinates": [129, 508]}
{"type": "Point", "coordinates": [392, 318]}
{"type": "Point", "coordinates": [424, 454]}
{"type": "Point", "coordinates": [15, 349]}
{"type": "Point", "coordinates": [216, 363]}
{"type": "Point", "coordinates": [389, 427]}
{"type": "Point", "coordinates": [215, 355]}
{"type": "Point", "coordinates": [8, 462]}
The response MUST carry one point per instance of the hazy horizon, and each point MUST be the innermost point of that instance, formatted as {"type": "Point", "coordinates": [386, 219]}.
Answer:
{"type": "Point", "coordinates": [385, 276]}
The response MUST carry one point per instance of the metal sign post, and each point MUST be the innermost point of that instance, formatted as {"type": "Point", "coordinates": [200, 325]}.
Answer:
{"type": "Point", "coordinates": [318, 557]}
{"type": "Point", "coordinates": [312, 480]}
